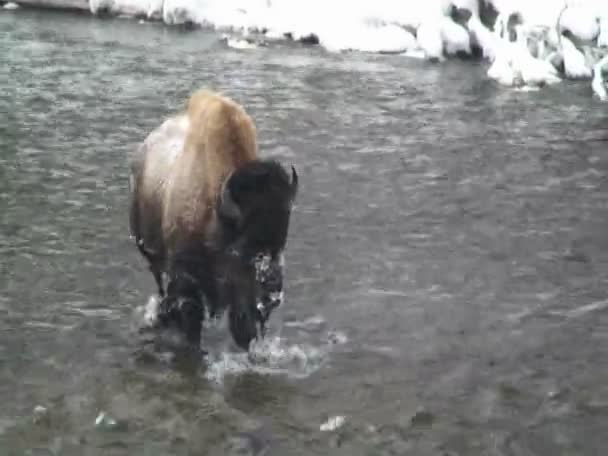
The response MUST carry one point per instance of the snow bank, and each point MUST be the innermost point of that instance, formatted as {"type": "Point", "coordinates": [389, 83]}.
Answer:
{"type": "Point", "coordinates": [366, 25]}
{"type": "Point", "coordinates": [150, 9]}
{"type": "Point", "coordinates": [433, 29]}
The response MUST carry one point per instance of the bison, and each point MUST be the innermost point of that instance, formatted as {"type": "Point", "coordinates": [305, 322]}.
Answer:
{"type": "Point", "coordinates": [211, 218]}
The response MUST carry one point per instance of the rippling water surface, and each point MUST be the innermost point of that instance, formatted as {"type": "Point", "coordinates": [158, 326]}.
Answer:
{"type": "Point", "coordinates": [447, 265]}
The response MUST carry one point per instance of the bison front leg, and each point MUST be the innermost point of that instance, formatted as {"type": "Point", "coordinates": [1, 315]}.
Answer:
{"type": "Point", "coordinates": [242, 326]}
{"type": "Point", "coordinates": [135, 226]}
{"type": "Point", "coordinates": [185, 315]}
{"type": "Point", "coordinates": [158, 278]}
{"type": "Point", "coordinates": [240, 299]}
{"type": "Point", "coordinates": [182, 309]}
{"type": "Point", "coordinates": [154, 266]}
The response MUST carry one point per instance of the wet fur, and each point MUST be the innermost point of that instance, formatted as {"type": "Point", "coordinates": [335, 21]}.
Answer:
{"type": "Point", "coordinates": [177, 179]}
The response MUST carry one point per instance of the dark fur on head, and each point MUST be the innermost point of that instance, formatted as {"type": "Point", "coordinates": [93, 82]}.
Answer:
{"type": "Point", "coordinates": [255, 208]}
{"type": "Point", "coordinates": [254, 211]}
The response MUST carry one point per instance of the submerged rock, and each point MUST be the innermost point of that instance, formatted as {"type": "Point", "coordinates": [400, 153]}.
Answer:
{"type": "Point", "coordinates": [105, 421]}
{"type": "Point", "coordinates": [422, 418]}
{"type": "Point", "coordinates": [41, 414]}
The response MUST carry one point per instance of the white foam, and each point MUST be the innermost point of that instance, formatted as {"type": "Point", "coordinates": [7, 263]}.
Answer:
{"type": "Point", "coordinates": [146, 316]}
{"type": "Point", "coordinates": [314, 322]}
{"type": "Point", "coordinates": [150, 311]}
{"type": "Point", "coordinates": [274, 355]}
{"type": "Point", "coordinates": [582, 310]}
{"type": "Point", "coordinates": [271, 356]}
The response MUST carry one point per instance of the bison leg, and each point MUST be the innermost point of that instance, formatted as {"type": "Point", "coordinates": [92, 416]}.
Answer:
{"type": "Point", "coordinates": [136, 232]}
{"type": "Point", "coordinates": [241, 319]}
{"type": "Point", "coordinates": [182, 309]}
{"type": "Point", "coordinates": [185, 315]}
{"type": "Point", "coordinates": [242, 327]}
{"type": "Point", "coordinates": [158, 277]}
{"type": "Point", "coordinates": [154, 267]}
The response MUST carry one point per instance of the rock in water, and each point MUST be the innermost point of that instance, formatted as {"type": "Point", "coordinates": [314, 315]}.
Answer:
{"type": "Point", "coordinates": [103, 420]}
{"type": "Point", "coordinates": [41, 414]}
{"type": "Point", "coordinates": [332, 424]}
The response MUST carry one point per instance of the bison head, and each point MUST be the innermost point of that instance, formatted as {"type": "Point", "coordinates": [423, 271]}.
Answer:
{"type": "Point", "coordinates": [254, 211]}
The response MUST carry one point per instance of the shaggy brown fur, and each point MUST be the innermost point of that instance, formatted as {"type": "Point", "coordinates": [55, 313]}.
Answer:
{"type": "Point", "coordinates": [177, 190]}
{"type": "Point", "coordinates": [199, 194]}
{"type": "Point", "coordinates": [221, 137]}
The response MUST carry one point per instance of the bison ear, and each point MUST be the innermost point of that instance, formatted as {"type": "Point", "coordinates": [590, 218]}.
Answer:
{"type": "Point", "coordinates": [227, 206]}
{"type": "Point", "coordinates": [294, 182]}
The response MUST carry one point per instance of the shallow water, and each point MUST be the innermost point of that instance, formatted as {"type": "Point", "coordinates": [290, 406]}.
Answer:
{"type": "Point", "coordinates": [446, 269]}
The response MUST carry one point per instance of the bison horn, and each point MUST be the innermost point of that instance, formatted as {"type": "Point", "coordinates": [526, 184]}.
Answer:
{"type": "Point", "coordinates": [294, 181]}
{"type": "Point", "coordinates": [228, 208]}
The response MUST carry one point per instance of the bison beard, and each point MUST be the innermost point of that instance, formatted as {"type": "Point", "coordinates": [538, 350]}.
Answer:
{"type": "Point", "coordinates": [206, 212]}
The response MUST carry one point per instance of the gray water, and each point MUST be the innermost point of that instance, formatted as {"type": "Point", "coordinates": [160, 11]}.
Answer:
{"type": "Point", "coordinates": [447, 265]}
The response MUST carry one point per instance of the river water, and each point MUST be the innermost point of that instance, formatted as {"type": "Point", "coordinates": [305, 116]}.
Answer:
{"type": "Point", "coordinates": [447, 266]}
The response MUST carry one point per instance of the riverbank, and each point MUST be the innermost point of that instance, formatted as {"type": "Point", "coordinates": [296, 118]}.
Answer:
{"type": "Point", "coordinates": [67, 5]}
{"type": "Point", "coordinates": [525, 44]}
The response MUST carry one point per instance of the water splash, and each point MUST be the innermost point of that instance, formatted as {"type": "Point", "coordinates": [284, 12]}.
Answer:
{"type": "Point", "coordinates": [146, 315]}
{"type": "Point", "coordinates": [295, 355]}
{"type": "Point", "coordinates": [273, 355]}
{"type": "Point", "coordinates": [270, 356]}
{"type": "Point", "coordinates": [310, 323]}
